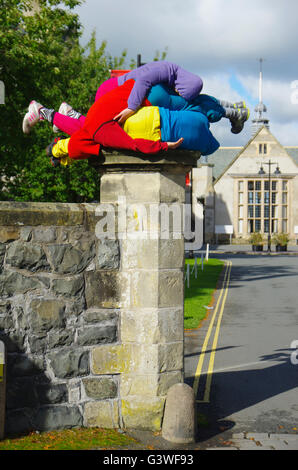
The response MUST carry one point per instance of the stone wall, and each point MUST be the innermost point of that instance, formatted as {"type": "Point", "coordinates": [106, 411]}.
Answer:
{"type": "Point", "coordinates": [49, 261]}
{"type": "Point", "coordinates": [94, 326]}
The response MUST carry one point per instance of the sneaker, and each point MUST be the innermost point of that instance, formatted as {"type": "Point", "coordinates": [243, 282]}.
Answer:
{"type": "Point", "coordinates": [64, 109]}
{"type": "Point", "coordinates": [240, 104]}
{"type": "Point", "coordinates": [32, 116]}
{"type": "Point", "coordinates": [238, 121]}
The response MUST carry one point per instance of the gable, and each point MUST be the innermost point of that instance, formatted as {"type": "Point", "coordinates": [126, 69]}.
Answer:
{"type": "Point", "coordinates": [249, 159]}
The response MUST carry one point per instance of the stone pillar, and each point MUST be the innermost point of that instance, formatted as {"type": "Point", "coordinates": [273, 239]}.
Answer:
{"type": "Point", "coordinates": [149, 355]}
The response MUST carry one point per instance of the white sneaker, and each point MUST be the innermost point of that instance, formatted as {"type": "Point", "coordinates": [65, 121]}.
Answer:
{"type": "Point", "coordinates": [64, 109]}
{"type": "Point", "coordinates": [32, 116]}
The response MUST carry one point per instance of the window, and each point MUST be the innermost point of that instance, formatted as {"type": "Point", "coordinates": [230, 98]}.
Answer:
{"type": "Point", "coordinates": [259, 203]}
{"type": "Point", "coordinates": [262, 149]}
{"type": "Point", "coordinates": [240, 206]}
{"type": "Point", "coordinates": [254, 208]}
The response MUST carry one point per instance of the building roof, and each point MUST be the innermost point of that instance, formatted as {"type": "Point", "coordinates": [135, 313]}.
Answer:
{"type": "Point", "coordinates": [224, 156]}
{"type": "Point", "coordinates": [293, 152]}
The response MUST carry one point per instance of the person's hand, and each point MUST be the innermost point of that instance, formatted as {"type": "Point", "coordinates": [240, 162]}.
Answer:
{"type": "Point", "coordinates": [125, 113]}
{"type": "Point", "coordinates": [174, 145]}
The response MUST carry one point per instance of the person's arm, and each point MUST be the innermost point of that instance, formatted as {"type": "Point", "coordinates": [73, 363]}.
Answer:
{"type": "Point", "coordinates": [145, 77]}
{"type": "Point", "coordinates": [139, 91]}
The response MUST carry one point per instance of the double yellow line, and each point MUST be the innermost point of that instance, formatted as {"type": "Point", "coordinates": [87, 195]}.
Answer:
{"type": "Point", "coordinates": [220, 304]}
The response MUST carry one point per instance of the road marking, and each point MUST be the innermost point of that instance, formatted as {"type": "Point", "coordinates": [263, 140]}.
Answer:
{"type": "Point", "coordinates": [198, 373]}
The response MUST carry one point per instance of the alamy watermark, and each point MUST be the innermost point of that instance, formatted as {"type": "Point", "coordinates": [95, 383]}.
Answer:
{"type": "Point", "coordinates": [136, 221]}
{"type": "Point", "coordinates": [2, 92]}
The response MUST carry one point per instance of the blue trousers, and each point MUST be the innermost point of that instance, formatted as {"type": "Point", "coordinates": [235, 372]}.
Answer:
{"type": "Point", "coordinates": [164, 97]}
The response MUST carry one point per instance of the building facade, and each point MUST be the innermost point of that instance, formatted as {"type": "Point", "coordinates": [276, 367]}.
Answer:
{"type": "Point", "coordinates": [248, 189]}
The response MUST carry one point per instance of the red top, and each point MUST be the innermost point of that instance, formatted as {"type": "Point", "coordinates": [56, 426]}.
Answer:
{"type": "Point", "coordinates": [101, 130]}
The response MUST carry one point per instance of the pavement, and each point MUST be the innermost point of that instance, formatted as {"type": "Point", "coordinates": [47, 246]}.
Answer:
{"type": "Point", "coordinates": [146, 440]}
{"type": "Point", "coordinates": [246, 249]}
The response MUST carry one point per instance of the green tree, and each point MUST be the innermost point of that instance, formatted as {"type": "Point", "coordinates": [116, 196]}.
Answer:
{"type": "Point", "coordinates": [41, 59]}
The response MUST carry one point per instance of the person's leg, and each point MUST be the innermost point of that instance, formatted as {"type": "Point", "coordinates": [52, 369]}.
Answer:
{"type": "Point", "coordinates": [164, 97]}
{"type": "Point", "coordinates": [67, 124]}
{"type": "Point", "coordinates": [214, 110]}
{"type": "Point", "coordinates": [67, 110]}
{"type": "Point", "coordinates": [209, 106]}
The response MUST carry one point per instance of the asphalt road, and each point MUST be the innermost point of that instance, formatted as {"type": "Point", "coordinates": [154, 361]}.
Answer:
{"type": "Point", "coordinates": [253, 381]}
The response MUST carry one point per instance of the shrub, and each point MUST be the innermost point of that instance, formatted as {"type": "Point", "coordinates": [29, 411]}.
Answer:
{"type": "Point", "coordinates": [281, 239]}
{"type": "Point", "coordinates": [256, 238]}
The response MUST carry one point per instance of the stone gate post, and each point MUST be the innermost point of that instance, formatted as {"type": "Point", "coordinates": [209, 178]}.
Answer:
{"type": "Point", "coordinates": [150, 286]}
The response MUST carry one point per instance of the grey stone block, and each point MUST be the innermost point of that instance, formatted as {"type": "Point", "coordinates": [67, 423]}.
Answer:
{"type": "Point", "coordinates": [52, 393]}
{"type": "Point", "coordinates": [108, 254]}
{"type": "Point", "coordinates": [60, 338]}
{"type": "Point", "coordinates": [25, 366]}
{"type": "Point", "coordinates": [100, 388]}
{"type": "Point", "coordinates": [101, 315]}
{"type": "Point", "coordinates": [102, 289]}
{"type": "Point", "coordinates": [27, 256]}
{"type": "Point", "coordinates": [13, 283]}
{"type": "Point", "coordinates": [44, 234]}
{"type": "Point", "coordinates": [97, 335]}
{"type": "Point", "coordinates": [68, 287]}
{"type": "Point", "coordinates": [45, 314]}
{"type": "Point", "coordinates": [66, 259]}
{"type": "Point", "coordinates": [57, 417]}
{"type": "Point", "coordinates": [37, 344]}
{"type": "Point", "coordinates": [69, 363]}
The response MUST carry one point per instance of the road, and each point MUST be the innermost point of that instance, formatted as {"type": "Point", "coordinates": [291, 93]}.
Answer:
{"type": "Point", "coordinates": [242, 361]}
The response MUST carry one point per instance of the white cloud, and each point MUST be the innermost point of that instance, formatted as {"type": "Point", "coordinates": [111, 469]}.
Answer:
{"type": "Point", "coordinates": [276, 96]}
{"type": "Point", "coordinates": [216, 39]}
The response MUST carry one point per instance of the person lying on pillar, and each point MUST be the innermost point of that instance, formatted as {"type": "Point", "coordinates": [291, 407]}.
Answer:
{"type": "Point", "coordinates": [150, 130]}
{"type": "Point", "coordinates": [163, 83]}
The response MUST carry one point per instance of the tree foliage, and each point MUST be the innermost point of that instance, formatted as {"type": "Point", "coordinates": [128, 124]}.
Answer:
{"type": "Point", "coordinates": [42, 59]}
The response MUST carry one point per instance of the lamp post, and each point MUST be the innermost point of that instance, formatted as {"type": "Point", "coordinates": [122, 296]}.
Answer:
{"type": "Point", "coordinates": [276, 173]}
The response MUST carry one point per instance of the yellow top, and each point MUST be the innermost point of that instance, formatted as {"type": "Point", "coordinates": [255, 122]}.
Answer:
{"type": "Point", "coordinates": [60, 150]}
{"type": "Point", "coordinates": [144, 124]}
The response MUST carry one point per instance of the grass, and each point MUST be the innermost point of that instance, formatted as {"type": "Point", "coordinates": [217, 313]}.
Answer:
{"type": "Point", "coordinates": [70, 439]}
{"type": "Point", "coordinates": [199, 293]}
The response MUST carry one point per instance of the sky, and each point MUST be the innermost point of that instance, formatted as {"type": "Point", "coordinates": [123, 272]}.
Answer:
{"type": "Point", "coordinates": [219, 40]}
